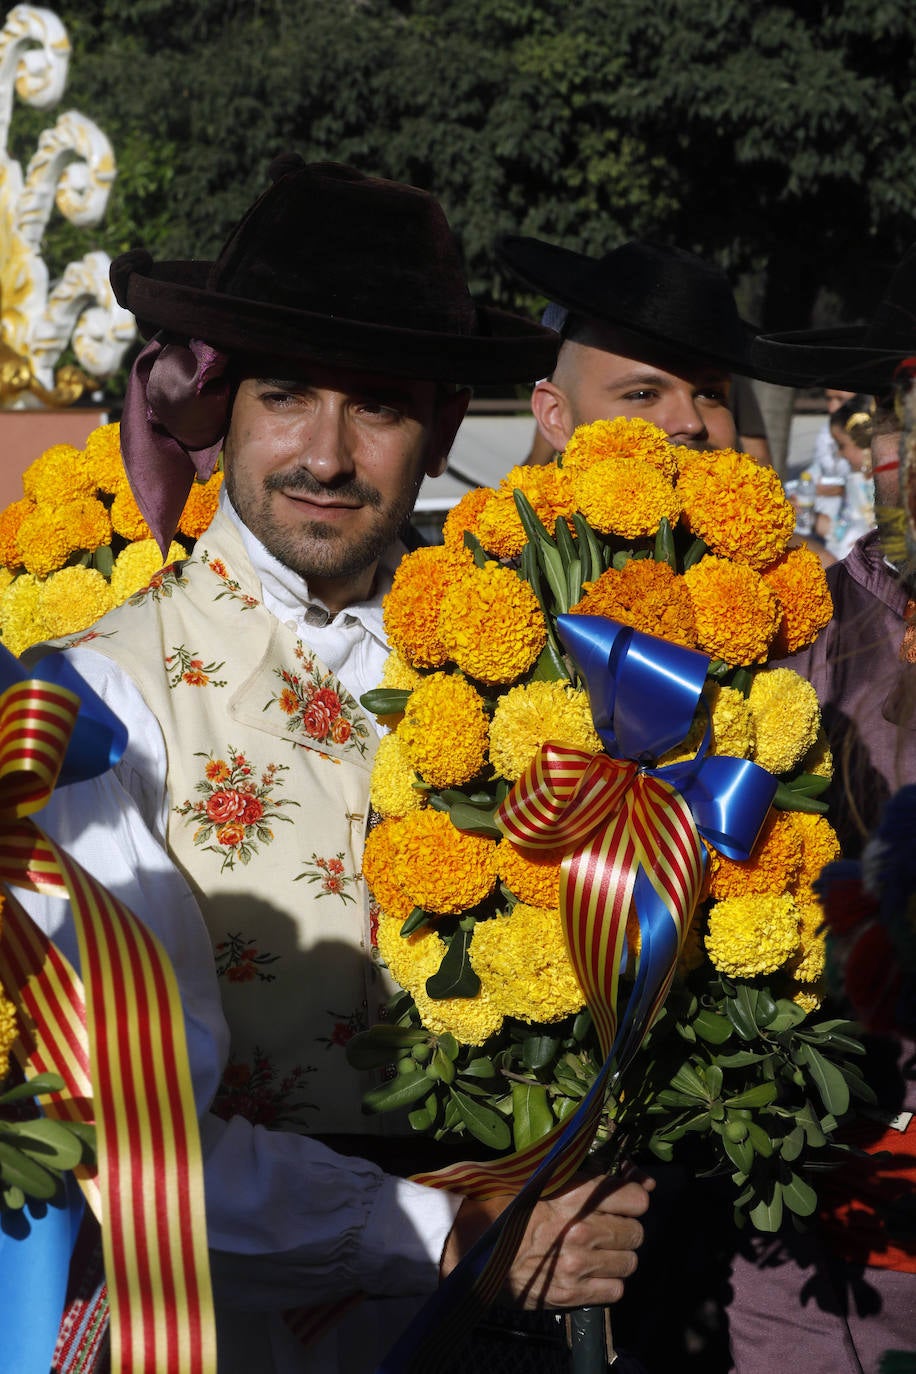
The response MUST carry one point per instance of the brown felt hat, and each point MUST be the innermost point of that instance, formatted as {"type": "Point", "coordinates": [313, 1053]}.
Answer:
{"type": "Point", "coordinates": [342, 268]}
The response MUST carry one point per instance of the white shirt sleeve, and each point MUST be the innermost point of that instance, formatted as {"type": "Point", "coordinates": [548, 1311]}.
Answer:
{"type": "Point", "coordinates": [331, 1224]}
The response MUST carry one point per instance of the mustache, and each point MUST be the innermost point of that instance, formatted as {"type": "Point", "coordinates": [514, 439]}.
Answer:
{"type": "Point", "coordinates": [300, 480]}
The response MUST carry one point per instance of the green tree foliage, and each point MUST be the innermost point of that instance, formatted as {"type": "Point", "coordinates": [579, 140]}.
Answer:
{"type": "Point", "coordinates": [777, 134]}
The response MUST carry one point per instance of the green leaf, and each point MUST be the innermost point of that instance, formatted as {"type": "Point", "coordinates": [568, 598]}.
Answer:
{"type": "Point", "coordinates": [103, 560]}
{"type": "Point", "coordinates": [421, 1119]}
{"type": "Point", "coordinates": [55, 1145]}
{"type": "Point", "coordinates": [538, 1050]}
{"type": "Point", "coordinates": [830, 1082]}
{"type": "Point", "coordinates": [717, 669]}
{"type": "Point", "coordinates": [534, 528]}
{"type": "Point", "coordinates": [587, 540]}
{"type": "Point", "coordinates": [621, 559]}
{"type": "Point", "coordinates": [484, 1124]}
{"type": "Point", "coordinates": [741, 1059]}
{"type": "Point", "coordinates": [549, 666]}
{"type": "Point", "coordinates": [35, 1087]}
{"type": "Point", "coordinates": [565, 543]}
{"type": "Point", "coordinates": [758, 1137]}
{"type": "Point", "coordinates": [760, 1095]}
{"type": "Point", "coordinates": [400, 1092]}
{"type": "Point", "coordinates": [712, 1028]}
{"type": "Point", "coordinates": [385, 701]}
{"type": "Point", "coordinates": [785, 799]}
{"type": "Point", "coordinates": [811, 784]}
{"type": "Point", "coordinates": [476, 549]}
{"type": "Point", "coordinates": [689, 1082]}
{"type": "Point", "coordinates": [740, 1152]}
{"type": "Point", "coordinates": [18, 1170]}
{"type": "Point", "coordinates": [767, 1215]}
{"type": "Point", "coordinates": [664, 544]}
{"type": "Point", "coordinates": [479, 1068]}
{"type": "Point", "coordinates": [531, 1114]}
{"type": "Point", "coordinates": [791, 1145]}
{"type": "Point", "coordinates": [415, 921]}
{"type": "Point", "coordinates": [693, 555]}
{"type": "Point", "coordinates": [372, 1048]}
{"type": "Point", "coordinates": [472, 821]}
{"type": "Point", "coordinates": [741, 681]}
{"type": "Point", "coordinates": [799, 1196]}
{"type": "Point", "coordinates": [13, 1198]}
{"type": "Point", "coordinates": [442, 1067]}
{"type": "Point", "coordinates": [573, 582]}
{"type": "Point", "coordinates": [455, 977]}
{"type": "Point", "coordinates": [740, 1010]}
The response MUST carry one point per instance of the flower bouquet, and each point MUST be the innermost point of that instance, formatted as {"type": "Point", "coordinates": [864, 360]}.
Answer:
{"type": "Point", "coordinates": [628, 540]}
{"type": "Point", "coordinates": [75, 545]}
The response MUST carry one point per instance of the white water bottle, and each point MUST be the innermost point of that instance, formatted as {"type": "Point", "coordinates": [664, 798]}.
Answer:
{"type": "Point", "coordinates": [805, 494]}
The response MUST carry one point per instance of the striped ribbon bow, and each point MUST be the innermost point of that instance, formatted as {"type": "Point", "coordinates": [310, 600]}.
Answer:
{"type": "Point", "coordinates": [631, 832]}
{"type": "Point", "coordinates": [118, 1044]}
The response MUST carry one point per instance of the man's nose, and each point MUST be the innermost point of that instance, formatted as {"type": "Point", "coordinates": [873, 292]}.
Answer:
{"type": "Point", "coordinates": [328, 444]}
{"type": "Point", "coordinates": [684, 423]}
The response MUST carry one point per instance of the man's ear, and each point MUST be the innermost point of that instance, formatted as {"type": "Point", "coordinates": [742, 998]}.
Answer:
{"type": "Point", "coordinates": [552, 412]}
{"type": "Point", "coordinates": [450, 411]}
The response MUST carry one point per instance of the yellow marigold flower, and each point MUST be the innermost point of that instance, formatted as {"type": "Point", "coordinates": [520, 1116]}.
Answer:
{"type": "Point", "coordinates": [73, 599]}
{"type": "Point", "coordinates": [463, 516]}
{"type": "Point", "coordinates": [787, 718]}
{"type": "Point", "coordinates": [626, 497]}
{"type": "Point", "coordinates": [10, 522]}
{"type": "Point", "coordinates": [747, 936]}
{"type": "Point", "coordinates": [6, 578]}
{"type": "Point", "coordinates": [398, 674]}
{"type": "Point", "coordinates": [391, 789]}
{"type": "Point", "coordinates": [439, 867]}
{"type": "Point", "coordinates": [60, 474]}
{"type": "Point", "coordinates": [200, 507]}
{"type": "Point", "coordinates": [773, 866]}
{"type": "Point", "coordinates": [806, 999]}
{"type": "Point", "coordinates": [533, 876]}
{"type": "Point", "coordinates": [126, 519]}
{"type": "Point", "coordinates": [411, 609]}
{"type": "Point", "coordinates": [136, 565]}
{"type": "Point", "coordinates": [528, 716]}
{"type": "Point", "coordinates": [21, 624]}
{"type": "Point", "coordinates": [736, 613]}
{"type": "Point", "coordinates": [411, 961]}
{"type": "Point", "coordinates": [819, 758]}
{"type": "Point", "coordinates": [732, 731]}
{"type": "Point", "coordinates": [102, 452]}
{"type": "Point", "coordinates": [547, 487]}
{"type": "Point", "coordinates": [799, 581]}
{"type": "Point", "coordinates": [444, 730]}
{"type": "Point", "coordinates": [820, 846]}
{"type": "Point", "coordinates": [620, 438]}
{"type": "Point", "coordinates": [645, 594]}
{"type": "Point", "coordinates": [522, 959]}
{"type": "Point", "coordinates": [378, 855]}
{"type": "Point", "coordinates": [491, 624]}
{"type": "Point", "coordinates": [808, 964]}
{"type": "Point", "coordinates": [737, 507]}
{"type": "Point", "coordinates": [9, 1029]}
{"type": "Point", "coordinates": [49, 536]}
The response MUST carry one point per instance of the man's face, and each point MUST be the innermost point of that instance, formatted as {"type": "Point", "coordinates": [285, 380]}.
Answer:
{"type": "Point", "coordinates": [325, 468]}
{"type": "Point", "coordinates": [689, 401]}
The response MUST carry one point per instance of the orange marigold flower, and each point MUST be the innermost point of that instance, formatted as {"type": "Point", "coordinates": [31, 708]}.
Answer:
{"type": "Point", "coordinates": [126, 519]}
{"type": "Point", "coordinates": [444, 731]}
{"type": "Point", "coordinates": [48, 536]}
{"type": "Point", "coordinates": [547, 487]}
{"type": "Point", "coordinates": [647, 595]}
{"type": "Point", "coordinates": [820, 845]}
{"type": "Point", "coordinates": [200, 507]}
{"type": "Point", "coordinates": [736, 613]}
{"type": "Point", "coordinates": [773, 867]}
{"type": "Point", "coordinates": [464, 516]}
{"type": "Point", "coordinates": [620, 438]}
{"type": "Point", "coordinates": [411, 609]}
{"type": "Point", "coordinates": [217, 770]}
{"type": "Point", "coordinates": [737, 507]}
{"type": "Point", "coordinates": [626, 497]}
{"type": "Point", "coordinates": [288, 702]}
{"type": "Point", "coordinates": [799, 581]}
{"type": "Point", "coordinates": [378, 858]}
{"type": "Point", "coordinates": [533, 876]}
{"type": "Point", "coordinates": [491, 624]}
{"type": "Point", "coordinates": [102, 452]}
{"type": "Point", "coordinates": [440, 868]}
{"type": "Point", "coordinates": [10, 521]}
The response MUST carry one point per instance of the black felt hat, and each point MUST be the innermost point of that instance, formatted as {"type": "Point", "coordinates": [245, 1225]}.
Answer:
{"type": "Point", "coordinates": [666, 297]}
{"type": "Point", "coordinates": [856, 357]}
{"type": "Point", "coordinates": [348, 269]}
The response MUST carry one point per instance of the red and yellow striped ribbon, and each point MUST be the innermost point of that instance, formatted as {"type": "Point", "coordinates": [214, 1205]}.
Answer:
{"type": "Point", "coordinates": [121, 1051]}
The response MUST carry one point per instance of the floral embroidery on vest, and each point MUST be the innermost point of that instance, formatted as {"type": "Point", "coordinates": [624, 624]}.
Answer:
{"type": "Point", "coordinates": [240, 960]}
{"type": "Point", "coordinates": [166, 581]}
{"type": "Point", "coordinates": [86, 638]}
{"type": "Point", "coordinates": [252, 1091]}
{"type": "Point", "coordinates": [229, 584]}
{"type": "Point", "coordinates": [235, 808]}
{"type": "Point", "coordinates": [183, 667]}
{"type": "Point", "coordinates": [346, 1025]}
{"type": "Point", "coordinates": [330, 874]}
{"type": "Point", "coordinates": [318, 706]}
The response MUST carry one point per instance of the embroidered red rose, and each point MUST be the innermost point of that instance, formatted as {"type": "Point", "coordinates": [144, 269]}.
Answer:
{"type": "Point", "coordinates": [342, 1033]}
{"type": "Point", "coordinates": [242, 972]}
{"type": "Point", "coordinates": [334, 865]}
{"type": "Point", "coordinates": [225, 805]}
{"type": "Point", "coordinates": [316, 719]}
{"type": "Point", "coordinates": [329, 698]}
{"type": "Point", "coordinates": [252, 811]}
{"type": "Point", "coordinates": [230, 835]}
{"type": "Point", "coordinates": [340, 730]}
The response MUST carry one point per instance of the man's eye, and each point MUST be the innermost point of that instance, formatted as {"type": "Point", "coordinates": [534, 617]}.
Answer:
{"type": "Point", "coordinates": [377, 410]}
{"type": "Point", "coordinates": [644, 394]}
{"type": "Point", "coordinates": [715, 393]}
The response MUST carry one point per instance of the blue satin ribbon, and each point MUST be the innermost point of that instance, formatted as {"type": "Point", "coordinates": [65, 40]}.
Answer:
{"type": "Point", "coordinates": [98, 740]}
{"type": "Point", "coordinates": [644, 693]}
{"type": "Point", "coordinates": [36, 1244]}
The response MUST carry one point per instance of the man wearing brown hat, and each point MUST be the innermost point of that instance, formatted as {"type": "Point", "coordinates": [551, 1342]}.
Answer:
{"type": "Point", "coordinates": [324, 352]}
{"type": "Point", "coordinates": [648, 332]}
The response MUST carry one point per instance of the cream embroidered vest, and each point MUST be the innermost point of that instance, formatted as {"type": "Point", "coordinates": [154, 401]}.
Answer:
{"type": "Point", "coordinates": [268, 779]}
